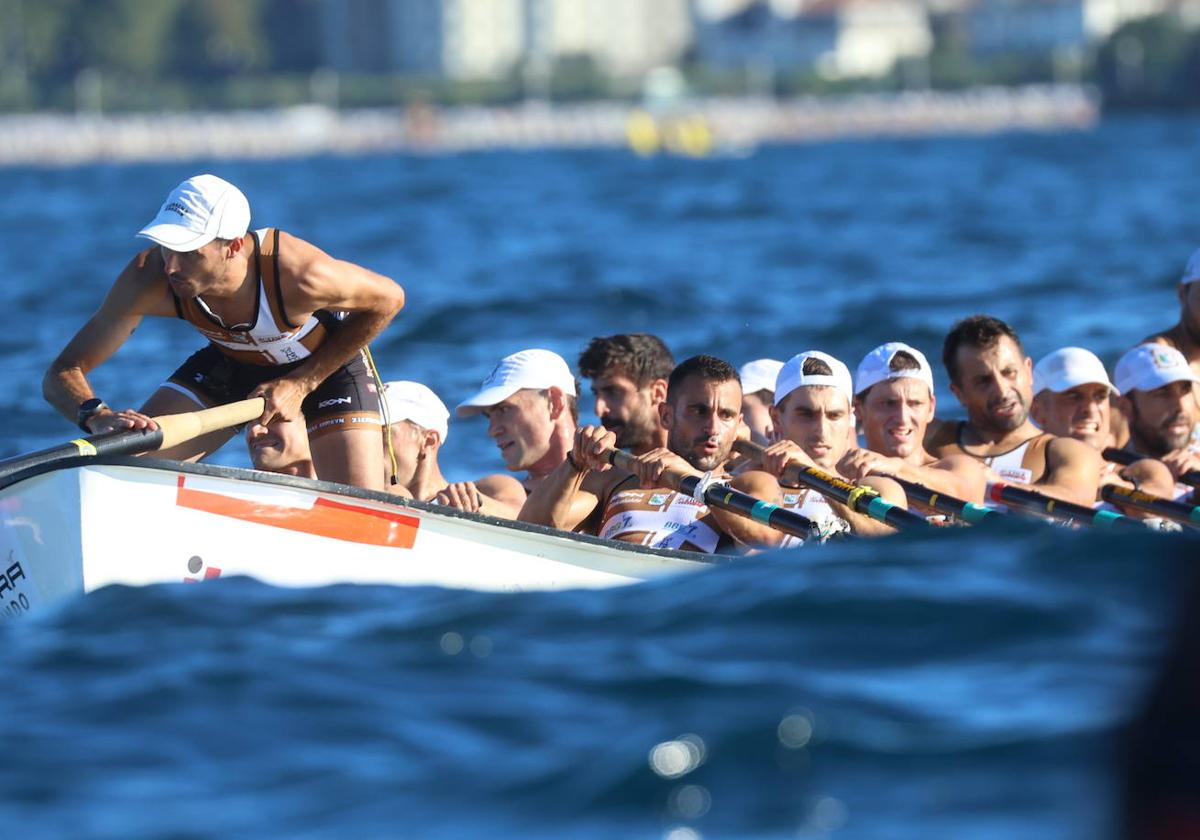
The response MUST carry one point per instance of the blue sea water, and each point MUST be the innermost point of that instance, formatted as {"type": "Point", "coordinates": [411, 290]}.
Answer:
{"type": "Point", "coordinates": [960, 686]}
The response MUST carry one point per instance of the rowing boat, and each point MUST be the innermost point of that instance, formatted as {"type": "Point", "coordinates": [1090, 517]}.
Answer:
{"type": "Point", "coordinates": [79, 524]}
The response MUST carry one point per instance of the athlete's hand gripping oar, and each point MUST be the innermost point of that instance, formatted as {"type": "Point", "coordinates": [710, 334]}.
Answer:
{"type": "Point", "coordinates": [172, 429]}
{"type": "Point", "coordinates": [1058, 510]}
{"type": "Point", "coordinates": [1124, 457]}
{"type": "Point", "coordinates": [1166, 508]}
{"type": "Point", "coordinates": [859, 499]}
{"type": "Point", "coordinates": [719, 495]}
{"type": "Point", "coordinates": [968, 512]}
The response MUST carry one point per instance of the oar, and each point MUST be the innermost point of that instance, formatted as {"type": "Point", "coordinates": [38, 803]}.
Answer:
{"type": "Point", "coordinates": [1066, 512]}
{"type": "Point", "coordinates": [943, 503]}
{"type": "Point", "coordinates": [725, 498]}
{"type": "Point", "coordinates": [172, 429]}
{"type": "Point", "coordinates": [1125, 458]}
{"type": "Point", "coordinates": [1166, 508]}
{"type": "Point", "coordinates": [859, 499]}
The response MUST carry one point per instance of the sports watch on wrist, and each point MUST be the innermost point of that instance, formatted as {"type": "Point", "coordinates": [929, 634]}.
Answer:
{"type": "Point", "coordinates": [87, 410]}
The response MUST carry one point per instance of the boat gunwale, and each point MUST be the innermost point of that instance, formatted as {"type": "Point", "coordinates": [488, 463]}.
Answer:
{"type": "Point", "coordinates": [317, 485]}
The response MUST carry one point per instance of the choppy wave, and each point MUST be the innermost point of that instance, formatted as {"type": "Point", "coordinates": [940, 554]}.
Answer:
{"type": "Point", "coordinates": [969, 686]}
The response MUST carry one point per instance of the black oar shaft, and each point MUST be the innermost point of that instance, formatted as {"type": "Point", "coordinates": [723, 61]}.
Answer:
{"type": "Point", "coordinates": [1125, 458]}
{"type": "Point", "coordinates": [968, 512]}
{"type": "Point", "coordinates": [726, 498]}
{"type": "Point", "coordinates": [1057, 509]}
{"type": "Point", "coordinates": [863, 500]}
{"type": "Point", "coordinates": [124, 442]}
{"type": "Point", "coordinates": [860, 499]}
{"type": "Point", "coordinates": [1166, 508]}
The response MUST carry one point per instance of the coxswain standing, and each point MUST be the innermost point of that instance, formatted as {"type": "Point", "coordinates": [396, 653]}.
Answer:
{"type": "Point", "coordinates": [284, 321]}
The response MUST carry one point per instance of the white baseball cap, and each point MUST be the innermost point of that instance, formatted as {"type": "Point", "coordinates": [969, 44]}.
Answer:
{"type": "Point", "coordinates": [876, 367]}
{"type": "Point", "coordinates": [537, 369]}
{"type": "Point", "coordinates": [1191, 271]}
{"type": "Point", "coordinates": [759, 375]}
{"type": "Point", "coordinates": [1150, 366]}
{"type": "Point", "coordinates": [201, 209]}
{"type": "Point", "coordinates": [791, 375]}
{"type": "Point", "coordinates": [416, 402]}
{"type": "Point", "coordinates": [1068, 368]}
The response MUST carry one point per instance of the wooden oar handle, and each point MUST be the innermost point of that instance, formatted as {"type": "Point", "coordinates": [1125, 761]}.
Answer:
{"type": "Point", "coordinates": [177, 428]}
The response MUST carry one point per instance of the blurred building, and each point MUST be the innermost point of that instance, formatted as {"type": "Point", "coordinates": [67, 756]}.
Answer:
{"type": "Point", "coordinates": [996, 27]}
{"type": "Point", "coordinates": [839, 38]}
{"type": "Point", "coordinates": [623, 37]}
{"type": "Point", "coordinates": [456, 39]}
{"type": "Point", "coordinates": [488, 39]}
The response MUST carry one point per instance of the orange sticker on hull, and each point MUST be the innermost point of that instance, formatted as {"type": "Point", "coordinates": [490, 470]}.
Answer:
{"type": "Point", "coordinates": [326, 518]}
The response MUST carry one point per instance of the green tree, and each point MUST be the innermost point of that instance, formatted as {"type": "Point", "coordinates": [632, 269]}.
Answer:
{"type": "Point", "coordinates": [1149, 63]}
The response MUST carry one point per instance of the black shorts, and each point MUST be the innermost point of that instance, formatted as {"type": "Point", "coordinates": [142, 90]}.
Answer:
{"type": "Point", "coordinates": [348, 398]}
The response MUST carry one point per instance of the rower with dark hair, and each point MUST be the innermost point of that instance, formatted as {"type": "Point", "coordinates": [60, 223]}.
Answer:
{"type": "Point", "coordinates": [992, 379]}
{"type": "Point", "coordinates": [1158, 393]}
{"type": "Point", "coordinates": [629, 379]}
{"type": "Point", "coordinates": [895, 402]}
{"type": "Point", "coordinates": [702, 415]}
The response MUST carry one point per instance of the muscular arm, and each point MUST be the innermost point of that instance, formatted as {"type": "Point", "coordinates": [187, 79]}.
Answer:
{"type": "Point", "coordinates": [941, 437]}
{"type": "Point", "coordinates": [960, 476]}
{"type": "Point", "coordinates": [744, 530]}
{"type": "Point", "coordinates": [861, 524]}
{"type": "Point", "coordinates": [138, 291]}
{"type": "Point", "coordinates": [566, 498]}
{"type": "Point", "coordinates": [502, 495]}
{"type": "Point", "coordinates": [313, 280]}
{"type": "Point", "coordinates": [1072, 471]}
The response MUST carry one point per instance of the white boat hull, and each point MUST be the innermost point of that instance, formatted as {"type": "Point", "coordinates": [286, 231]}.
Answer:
{"type": "Point", "coordinates": [129, 521]}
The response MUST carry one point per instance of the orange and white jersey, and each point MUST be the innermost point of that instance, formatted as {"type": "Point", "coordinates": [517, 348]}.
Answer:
{"type": "Point", "coordinates": [659, 518]}
{"type": "Point", "coordinates": [269, 338]}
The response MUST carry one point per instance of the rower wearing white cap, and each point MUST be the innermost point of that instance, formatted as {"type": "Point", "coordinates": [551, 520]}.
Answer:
{"type": "Point", "coordinates": [266, 302]}
{"type": "Point", "coordinates": [895, 402]}
{"type": "Point", "coordinates": [1158, 393]}
{"type": "Point", "coordinates": [1184, 336]}
{"type": "Point", "coordinates": [418, 424]}
{"type": "Point", "coordinates": [814, 418]}
{"type": "Point", "coordinates": [993, 380]}
{"type": "Point", "coordinates": [530, 400]}
{"type": "Point", "coordinates": [702, 415]}
{"type": "Point", "coordinates": [1072, 397]}
{"type": "Point", "coordinates": [758, 395]}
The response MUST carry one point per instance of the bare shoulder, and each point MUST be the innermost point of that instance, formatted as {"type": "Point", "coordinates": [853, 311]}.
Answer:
{"type": "Point", "coordinates": [297, 256]}
{"type": "Point", "coordinates": [1065, 451]}
{"type": "Point", "coordinates": [315, 280]}
{"type": "Point", "coordinates": [941, 437]}
{"type": "Point", "coordinates": [1166, 337]}
{"type": "Point", "coordinates": [959, 463]}
{"type": "Point", "coordinates": [502, 488]}
{"type": "Point", "coordinates": [141, 288]}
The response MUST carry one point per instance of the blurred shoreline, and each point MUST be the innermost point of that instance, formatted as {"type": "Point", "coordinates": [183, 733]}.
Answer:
{"type": "Point", "coordinates": [696, 127]}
